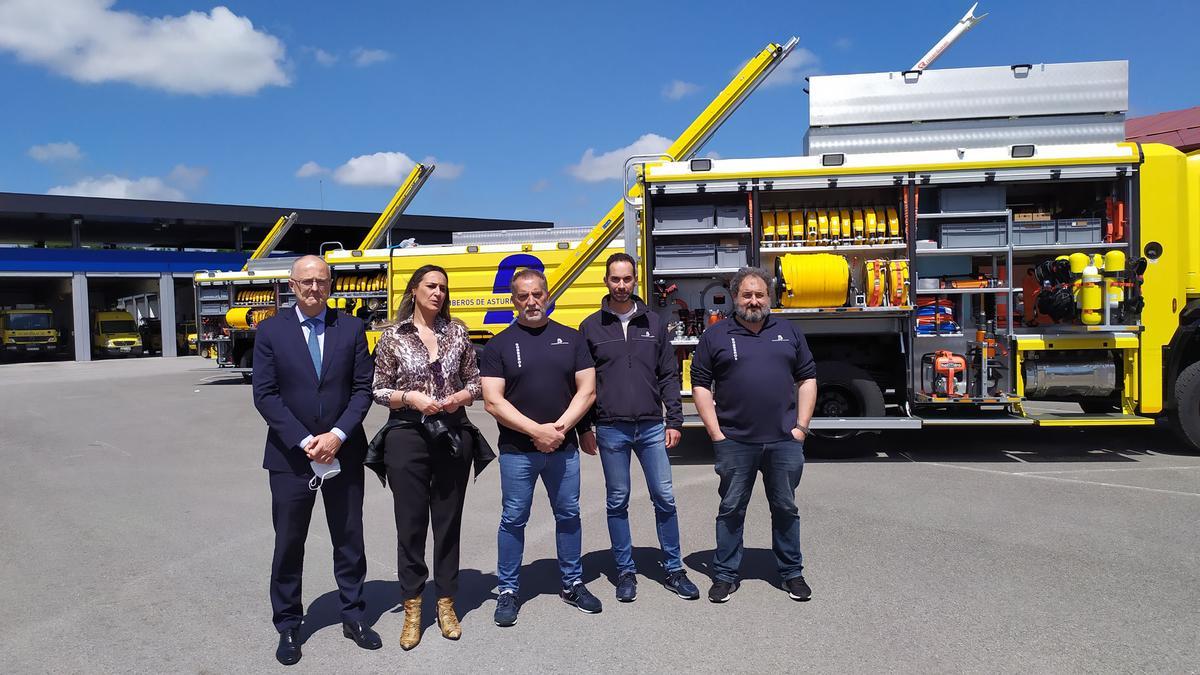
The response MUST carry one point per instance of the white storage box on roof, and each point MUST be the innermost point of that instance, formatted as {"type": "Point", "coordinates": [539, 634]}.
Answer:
{"type": "Point", "coordinates": [1050, 103]}
{"type": "Point", "coordinates": [529, 236]}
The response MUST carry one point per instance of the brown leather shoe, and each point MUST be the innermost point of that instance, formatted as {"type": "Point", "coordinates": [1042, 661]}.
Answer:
{"type": "Point", "coordinates": [447, 619]}
{"type": "Point", "coordinates": [410, 635]}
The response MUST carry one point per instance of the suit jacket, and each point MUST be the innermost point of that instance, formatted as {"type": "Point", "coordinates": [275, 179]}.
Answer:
{"type": "Point", "coordinates": [295, 403]}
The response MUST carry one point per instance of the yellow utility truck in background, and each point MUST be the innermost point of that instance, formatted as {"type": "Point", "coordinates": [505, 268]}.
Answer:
{"type": "Point", "coordinates": [115, 333]}
{"type": "Point", "coordinates": [28, 330]}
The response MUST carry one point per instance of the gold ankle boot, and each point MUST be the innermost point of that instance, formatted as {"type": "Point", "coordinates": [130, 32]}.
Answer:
{"type": "Point", "coordinates": [410, 635]}
{"type": "Point", "coordinates": [447, 619]}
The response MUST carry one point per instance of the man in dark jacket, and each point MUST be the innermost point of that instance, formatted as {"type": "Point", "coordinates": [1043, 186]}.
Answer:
{"type": "Point", "coordinates": [312, 385]}
{"type": "Point", "coordinates": [636, 377]}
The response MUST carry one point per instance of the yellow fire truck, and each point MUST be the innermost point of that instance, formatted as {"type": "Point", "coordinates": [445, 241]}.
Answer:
{"type": "Point", "coordinates": [972, 269]}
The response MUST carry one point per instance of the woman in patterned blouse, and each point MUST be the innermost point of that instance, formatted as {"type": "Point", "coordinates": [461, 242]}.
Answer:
{"type": "Point", "coordinates": [425, 365]}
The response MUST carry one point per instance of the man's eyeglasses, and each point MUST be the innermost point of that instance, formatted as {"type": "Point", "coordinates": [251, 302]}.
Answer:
{"type": "Point", "coordinates": [315, 283]}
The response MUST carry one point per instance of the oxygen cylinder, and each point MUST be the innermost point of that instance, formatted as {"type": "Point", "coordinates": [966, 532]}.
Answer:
{"type": "Point", "coordinates": [822, 231]}
{"type": "Point", "coordinates": [1079, 261]}
{"type": "Point", "coordinates": [768, 226]}
{"type": "Point", "coordinates": [835, 227]}
{"type": "Point", "coordinates": [1091, 296]}
{"type": "Point", "coordinates": [1114, 272]}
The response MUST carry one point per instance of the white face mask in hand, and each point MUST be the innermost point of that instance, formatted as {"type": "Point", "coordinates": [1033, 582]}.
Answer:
{"type": "Point", "coordinates": [323, 472]}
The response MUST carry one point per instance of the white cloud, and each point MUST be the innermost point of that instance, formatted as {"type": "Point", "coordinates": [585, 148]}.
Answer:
{"type": "Point", "coordinates": [178, 182]}
{"type": "Point", "coordinates": [712, 154]}
{"type": "Point", "coordinates": [187, 177]}
{"type": "Point", "coordinates": [381, 168]}
{"type": "Point", "coordinates": [541, 186]}
{"type": "Point", "coordinates": [385, 168]}
{"type": "Point", "coordinates": [90, 42]}
{"type": "Point", "coordinates": [54, 152]}
{"type": "Point", "coordinates": [324, 58]}
{"type": "Point", "coordinates": [799, 64]}
{"type": "Point", "coordinates": [309, 169]}
{"type": "Point", "coordinates": [365, 57]}
{"type": "Point", "coordinates": [118, 187]}
{"type": "Point", "coordinates": [444, 170]}
{"type": "Point", "coordinates": [678, 89]}
{"type": "Point", "coordinates": [608, 166]}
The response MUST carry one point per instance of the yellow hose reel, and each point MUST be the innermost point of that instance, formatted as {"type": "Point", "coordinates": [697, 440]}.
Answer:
{"type": "Point", "coordinates": [812, 280]}
{"type": "Point", "coordinates": [245, 318]}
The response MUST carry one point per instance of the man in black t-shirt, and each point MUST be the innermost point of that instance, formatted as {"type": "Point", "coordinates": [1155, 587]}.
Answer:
{"type": "Point", "coordinates": [538, 382]}
{"type": "Point", "coordinates": [754, 384]}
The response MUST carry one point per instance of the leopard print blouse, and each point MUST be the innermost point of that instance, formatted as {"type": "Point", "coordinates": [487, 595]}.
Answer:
{"type": "Point", "coordinates": [402, 362]}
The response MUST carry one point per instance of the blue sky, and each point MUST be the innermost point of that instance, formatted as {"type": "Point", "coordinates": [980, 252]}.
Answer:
{"type": "Point", "coordinates": [518, 102]}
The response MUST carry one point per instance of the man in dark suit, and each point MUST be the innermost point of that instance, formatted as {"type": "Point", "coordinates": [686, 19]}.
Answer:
{"type": "Point", "coordinates": [312, 384]}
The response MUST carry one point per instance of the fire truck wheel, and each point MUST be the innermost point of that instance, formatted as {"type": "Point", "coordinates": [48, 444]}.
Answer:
{"type": "Point", "coordinates": [844, 390]}
{"type": "Point", "coordinates": [1185, 418]}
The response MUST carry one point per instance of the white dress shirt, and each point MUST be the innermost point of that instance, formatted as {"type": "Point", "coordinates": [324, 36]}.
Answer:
{"type": "Point", "coordinates": [320, 328]}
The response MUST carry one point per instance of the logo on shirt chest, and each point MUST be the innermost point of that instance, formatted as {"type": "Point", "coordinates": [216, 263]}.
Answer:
{"type": "Point", "coordinates": [646, 334]}
{"type": "Point", "coordinates": [559, 341]}
{"type": "Point", "coordinates": [780, 338]}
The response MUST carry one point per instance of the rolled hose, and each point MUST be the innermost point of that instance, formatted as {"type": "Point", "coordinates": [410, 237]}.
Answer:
{"type": "Point", "coordinates": [812, 280]}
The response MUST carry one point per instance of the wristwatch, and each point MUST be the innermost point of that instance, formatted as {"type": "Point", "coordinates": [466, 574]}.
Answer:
{"type": "Point", "coordinates": [803, 428]}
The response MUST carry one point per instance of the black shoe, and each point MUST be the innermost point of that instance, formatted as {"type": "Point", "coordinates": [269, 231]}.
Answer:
{"type": "Point", "coordinates": [579, 597]}
{"type": "Point", "coordinates": [627, 587]}
{"type": "Point", "coordinates": [506, 609]}
{"type": "Point", "coordinates": [288, 652]}
{"type": "Point", "coordinates": [797, 588]}
{"type": "Point", "coordinates": [678, 582]}
{"type": "Point", "coordinates": [721, 590]}
{"type": "Point", "coordinates": [362, 634]}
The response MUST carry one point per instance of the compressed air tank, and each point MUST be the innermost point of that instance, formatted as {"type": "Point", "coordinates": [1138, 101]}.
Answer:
{"type": "Point", "coordinates": [1069, 379]}
{"type": "Point", "coordinates": [1091, 297]}
{"type": "Point", "coordinates": [1114, 273]}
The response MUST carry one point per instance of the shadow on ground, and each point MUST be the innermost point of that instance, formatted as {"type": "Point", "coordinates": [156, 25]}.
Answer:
{"type": "Point", "coordinates": [758, 564]}
{"type": "Point", "coordinates": [476, 589]}
{"type": "Point", "coordinates": [982, 444]}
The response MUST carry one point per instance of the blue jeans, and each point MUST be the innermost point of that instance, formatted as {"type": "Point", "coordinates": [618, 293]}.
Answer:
{"type": "Point", "coordinates": [737, 464]}
{"type": "Point", "coordinates": [519, 472]}
{"type": "Point", "coordinates": [648, 441]}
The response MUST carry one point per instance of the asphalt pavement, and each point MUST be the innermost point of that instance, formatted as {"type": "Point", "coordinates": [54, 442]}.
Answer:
{"type": "Point", "coordinates": [137, 537]}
